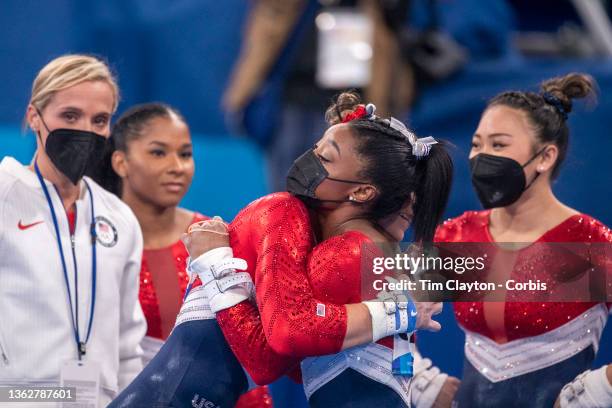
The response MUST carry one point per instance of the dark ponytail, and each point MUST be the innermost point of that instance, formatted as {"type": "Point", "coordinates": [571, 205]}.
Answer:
{"type": "Point", "coordinates": [129, 127]}
{"type": "Point", "coordinates": [395, 171]}
{"type": "Point", "coordinates": [436, 173]}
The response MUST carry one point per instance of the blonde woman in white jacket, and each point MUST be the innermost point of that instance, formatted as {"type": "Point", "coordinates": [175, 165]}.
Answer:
{"type": "Point", "coordinates": [69, 251]}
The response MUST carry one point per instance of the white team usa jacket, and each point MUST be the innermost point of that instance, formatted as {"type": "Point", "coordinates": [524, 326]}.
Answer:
{"type": "Point", "coordinates": [36, 333]}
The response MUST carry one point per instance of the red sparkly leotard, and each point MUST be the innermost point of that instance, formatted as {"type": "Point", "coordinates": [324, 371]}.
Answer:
{"type": "Point", "coordinates": [511, 323]}
{"type": "Point", "coordinates": [300, 298]}
{"type": "Point", "coordinates": [163, 281]}
{"type": "Point", "coordinates": [273, 234]}
{"type": "Point", "coordinates": [161, 292]}
{"type": "Point", "coordinates": [522, 319]}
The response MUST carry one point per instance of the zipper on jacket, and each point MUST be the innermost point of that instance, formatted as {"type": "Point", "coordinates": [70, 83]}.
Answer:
{"type": "Point", "coordinates": [74, 262]}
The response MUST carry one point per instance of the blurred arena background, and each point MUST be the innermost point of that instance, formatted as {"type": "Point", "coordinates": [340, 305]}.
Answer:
{"type": "Point", "coordinates": [182, 52]}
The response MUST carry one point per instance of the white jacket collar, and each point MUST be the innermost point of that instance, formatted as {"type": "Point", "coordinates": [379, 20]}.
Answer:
{"type": "Point", "coordinates": [11, 166]}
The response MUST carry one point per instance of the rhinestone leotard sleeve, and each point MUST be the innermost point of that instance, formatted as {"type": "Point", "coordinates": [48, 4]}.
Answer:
{"type": "Point", "coordinates": [274, 235]}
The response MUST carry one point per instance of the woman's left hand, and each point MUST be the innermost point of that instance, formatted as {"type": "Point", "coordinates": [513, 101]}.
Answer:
{"type": "Point", "coordinates": [203, 236]}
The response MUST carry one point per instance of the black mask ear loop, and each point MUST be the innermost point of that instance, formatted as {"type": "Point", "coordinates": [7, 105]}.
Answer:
{"type": "Point", "coordinates": [537, 172]}
{"type": "Point", "coordinates": [38, 131]}
{"type": "Point", "coordinates": [349, 199]}
{"type": "Point", "coordinates": [44, 124]}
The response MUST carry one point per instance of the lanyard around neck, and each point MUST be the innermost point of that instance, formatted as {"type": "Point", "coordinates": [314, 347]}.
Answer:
{"type": "Point", "coordinates": [80, 343]}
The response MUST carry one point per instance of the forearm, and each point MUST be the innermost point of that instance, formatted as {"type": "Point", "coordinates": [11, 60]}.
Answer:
{"type": "Point", "coordinates": [359, 326]}
{"type": "Point", "coordinates": [243, 330]}
{"type": "Point", "coordinates": [226, 294]}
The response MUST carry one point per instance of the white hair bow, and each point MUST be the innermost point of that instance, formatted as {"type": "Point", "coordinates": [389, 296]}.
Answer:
{"type": "Point", "coordinates": [420, 147]}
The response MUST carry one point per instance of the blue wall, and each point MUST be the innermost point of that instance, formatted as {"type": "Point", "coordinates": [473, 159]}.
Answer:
{"type": "Point", "coordinates": [180, 52]}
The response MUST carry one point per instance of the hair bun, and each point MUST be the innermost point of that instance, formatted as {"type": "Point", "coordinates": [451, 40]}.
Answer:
{"type": "Point", "coordinates": [568, 87]}
{"type": "Point", "coordinates": [345, 104]}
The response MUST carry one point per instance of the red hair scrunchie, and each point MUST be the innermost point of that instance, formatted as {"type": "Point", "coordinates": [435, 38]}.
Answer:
{"type": "Point", "coordinates": [358, 113]}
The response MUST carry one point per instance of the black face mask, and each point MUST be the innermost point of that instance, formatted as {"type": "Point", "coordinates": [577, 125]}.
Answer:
{"type": "Point", "coordinates": [499, 181]}
{"type": "Point", "coordinates": [73, 151]}
{"type": "Point", "coordinates": [305, 176]}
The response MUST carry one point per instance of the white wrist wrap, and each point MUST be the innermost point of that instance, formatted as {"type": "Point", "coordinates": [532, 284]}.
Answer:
{"type": "Point", "coordinates": [228, 291]}
{"type": "Point", "coordinates": [215, 264]}
{"type": "Point", "coordinates": [589, 389]}
{"type": "Point", "coordinates": [222, 286]}
{"type": "Point", "coordinates": [194, 307]}
{"type": "Point", "coordinates": [426, 382]}
{"type": "Point", "coordinates": [388, 318]}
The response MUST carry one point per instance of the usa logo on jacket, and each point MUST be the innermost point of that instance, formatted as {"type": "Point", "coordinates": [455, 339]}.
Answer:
{"type": "Point", "coordinates": [106, 233]}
